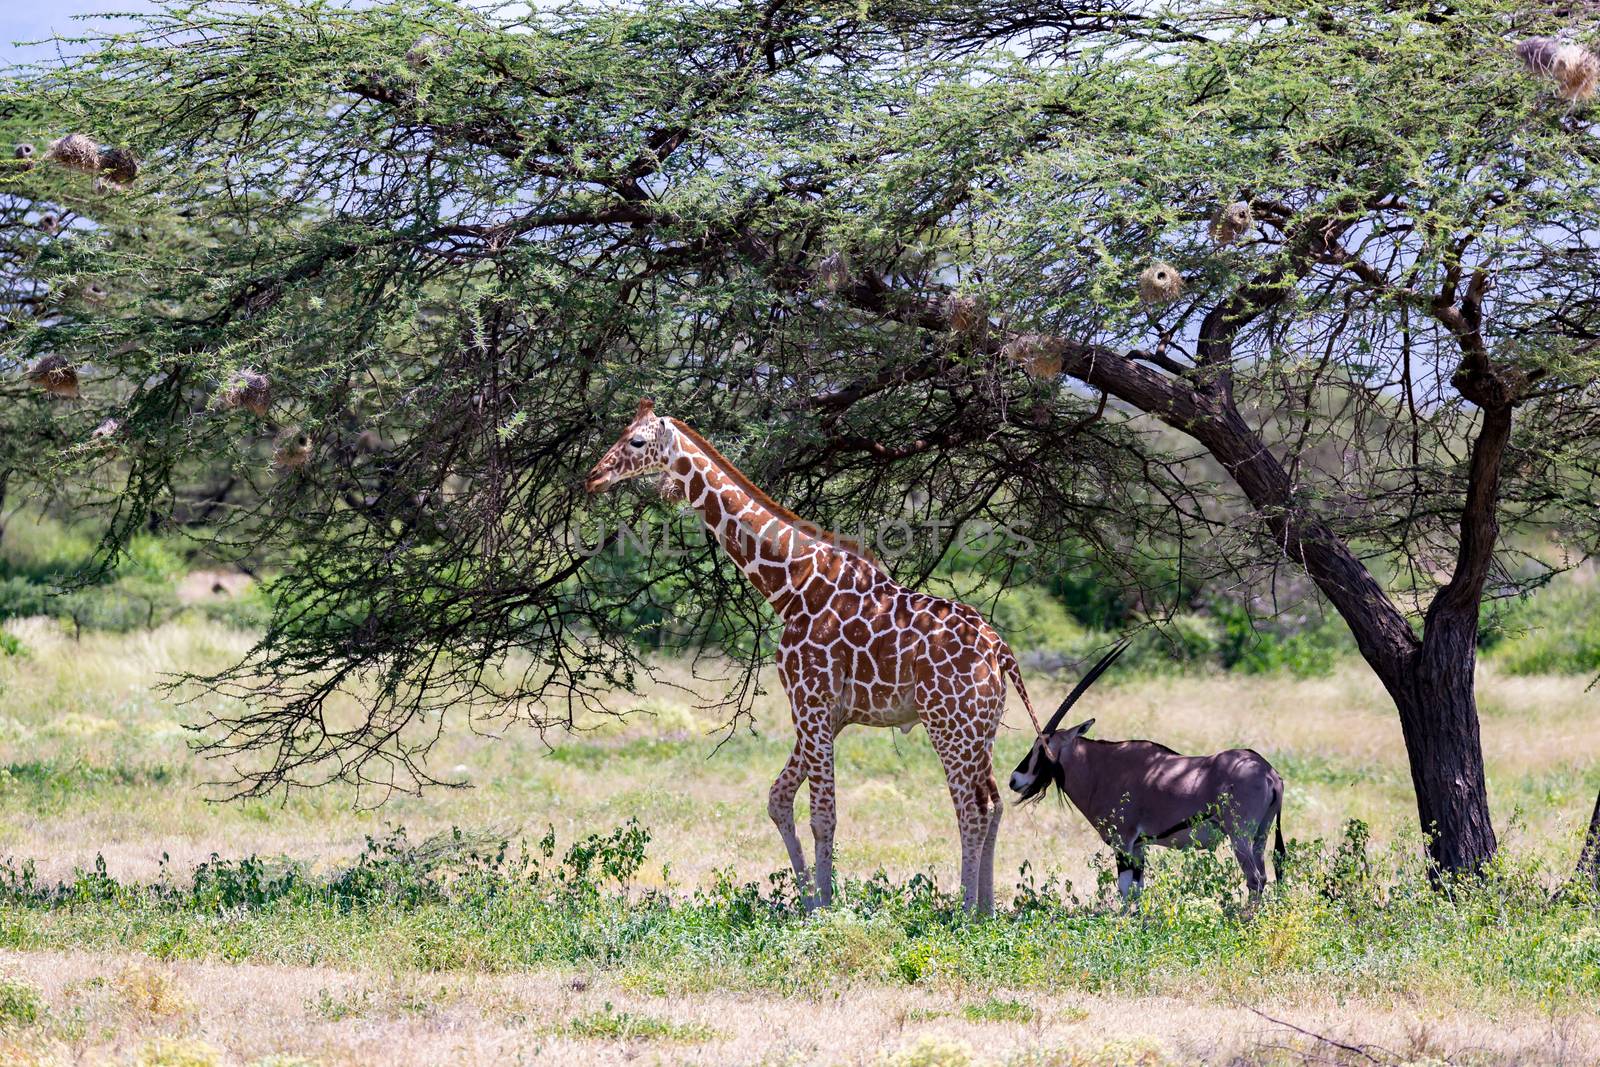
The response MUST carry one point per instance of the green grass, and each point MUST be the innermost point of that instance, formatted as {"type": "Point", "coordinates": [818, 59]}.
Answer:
{"type": "Point", "coordinates": [1350, 918]}
{"type": "Point", "coordinates": [998, 1010]}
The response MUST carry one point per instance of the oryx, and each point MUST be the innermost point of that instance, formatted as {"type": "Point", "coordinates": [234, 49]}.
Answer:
{"type": "Point", "coordinates": [1137, 793]}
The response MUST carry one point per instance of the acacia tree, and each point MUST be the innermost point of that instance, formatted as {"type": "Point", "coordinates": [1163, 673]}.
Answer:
{"type": "Point", "coordinates": [867, 252]}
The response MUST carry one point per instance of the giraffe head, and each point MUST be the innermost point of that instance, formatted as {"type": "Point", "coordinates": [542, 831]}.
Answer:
{"type": "Point", "coordinates": [642, 449]}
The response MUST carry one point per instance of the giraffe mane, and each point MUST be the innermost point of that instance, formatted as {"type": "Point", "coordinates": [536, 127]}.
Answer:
{"type": "Point", "coordinates": [743, 481]}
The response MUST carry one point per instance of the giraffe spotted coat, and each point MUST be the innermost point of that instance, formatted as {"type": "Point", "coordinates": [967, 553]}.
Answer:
{"type": "Point", "coordinates": [857, 647]}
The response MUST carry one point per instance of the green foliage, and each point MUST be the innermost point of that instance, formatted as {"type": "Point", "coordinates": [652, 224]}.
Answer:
{"type": "Point", "coordinates": [1256, 648]}
{"type": "Point", "coordinates": [1555, 630]}
{"type": "Point", "coordinates": [1346, 915]}
{"type": "Point", "coordinates": [20, 1005]}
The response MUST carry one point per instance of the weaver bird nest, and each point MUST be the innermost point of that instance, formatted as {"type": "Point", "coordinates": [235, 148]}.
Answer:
{"type": "Point", "coordinates": [94, 294]}
{"type": "Point", "coordinates": [49, 223]}
{"type": "Point", "coordinates": [1573, 68]}
{"type": "Point", "coordinates": [119, 166]}
{"type": "Point", "coordinates": [292, 450]}
{"type": "Point", "coordinates": [1039, 354]}
{"type": "Point", "coordinates": [426, 52]}
{"type": "Point", "coordinates": [56, 376]}
{"type": "Point", "coordinates": [106, 430]}
{"type": "Point", "coordinates": [965, 314]}
{"type": "Point", "coordinates": [1232, 223]}
{"type": "Point", "coordinates": [24, 153]}
{"type": "Point", "coordinates": [833, 272]}
{"type": "Point", "coordinates": [1160, 283]}
{"type": "Point", "coordinates": [249, 389]}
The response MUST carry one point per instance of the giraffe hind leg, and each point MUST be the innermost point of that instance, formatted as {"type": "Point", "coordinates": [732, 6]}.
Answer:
{"type": "Point", "coordinates": [986, 859]}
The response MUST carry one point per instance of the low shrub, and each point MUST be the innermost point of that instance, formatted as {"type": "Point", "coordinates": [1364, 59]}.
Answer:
{"type": "Point", "coordinates": [20, 1005]}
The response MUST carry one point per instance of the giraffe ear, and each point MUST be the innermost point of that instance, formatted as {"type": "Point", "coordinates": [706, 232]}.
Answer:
{"type": "Point", "coordinates": [646, 407]}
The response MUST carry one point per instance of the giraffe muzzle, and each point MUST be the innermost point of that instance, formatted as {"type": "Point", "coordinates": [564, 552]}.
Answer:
{"type": "Point", "coordinates": [597, 482]}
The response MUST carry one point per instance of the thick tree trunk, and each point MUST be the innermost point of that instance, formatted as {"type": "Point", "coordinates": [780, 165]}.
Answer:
{"type": "Point", "coordinates": [1439, 721]}
{"type": "Point", "coordinates": [1589, 858]}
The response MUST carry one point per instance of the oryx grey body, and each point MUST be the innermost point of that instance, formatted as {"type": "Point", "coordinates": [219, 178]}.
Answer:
{"type": "Point", "coordinates": [1139, 793]}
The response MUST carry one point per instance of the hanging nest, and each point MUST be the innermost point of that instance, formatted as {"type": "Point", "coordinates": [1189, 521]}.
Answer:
{"type": "Point", "coordinates": [1040, 354]}
{"type": "Point", "coordinates": [833, 272]}
{"type": "Point", "coordinates": [75, 152]}
{"type": "Point", "coordinates": [426, 52]}
{"type": "Point", "coordinates": [964, 313]}
{"type": "Point", "coordinates": [292, 450]}
{"type": "Point", "coordinates": [1573, 68]}
{"type": "Point", "coordinates": [106, 430]}
{"type": "Point", "coordinates": [94, 294]}
{"type": "Point", "coordinates": [1160, 283]}
{"type": "Point", "coordinates": [49, 223]}
{"type": "Point", "coordinates": [250, 390]}
{"type": "Point", "coordinates": [24, 153]}
{"type": "Point", "coordinates": [56, 376]}
{"type": "Point", "coordinates": [1232, 223]}
{"type": "Point", "coordinates": [119, 165]}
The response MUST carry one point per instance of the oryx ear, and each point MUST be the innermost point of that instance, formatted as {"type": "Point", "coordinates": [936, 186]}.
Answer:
{"type": "Point", "coordinates": [1079, 730]}
{"type": "Point", "coordinates": [646, 407]}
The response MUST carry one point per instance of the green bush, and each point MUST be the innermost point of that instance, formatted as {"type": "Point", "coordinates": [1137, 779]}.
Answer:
{"type": "Point", "coordinates": [1553, 631]}
{"type": "Point", "coordinates": [1027, 616]}
{"type": "Point", "coordinates": [1254, 647]}
{"type": "Point", "coordinates": [21, 597]}
{"type": "Point", "coordinates": [19, 1005]}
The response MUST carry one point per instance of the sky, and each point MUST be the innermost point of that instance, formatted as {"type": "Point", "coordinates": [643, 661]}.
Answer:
{"type": "Point", "coordinates": [34, 20]}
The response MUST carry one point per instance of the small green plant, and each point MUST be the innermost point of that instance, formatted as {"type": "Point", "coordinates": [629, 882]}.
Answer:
{"type": "Point", "coordinates": [608, 1024]}
{"type": "Point", "coordinates": [998, 1010]}
{"type": "Point", "coordinates": [20, 1005]}
{"type": "Point", "coordinates": [337, 1007]}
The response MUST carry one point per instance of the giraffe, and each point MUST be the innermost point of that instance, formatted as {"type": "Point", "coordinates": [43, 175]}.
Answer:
{"type": "Point", "coordinates": [856, 647]}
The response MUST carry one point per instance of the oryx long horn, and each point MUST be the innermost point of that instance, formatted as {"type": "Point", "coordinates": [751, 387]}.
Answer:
{"type": "Point", "coordinates": [1085, 682]}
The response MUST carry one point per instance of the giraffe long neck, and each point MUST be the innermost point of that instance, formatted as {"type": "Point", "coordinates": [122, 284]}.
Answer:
{"type": "Point", "coordinates": [776, 554]}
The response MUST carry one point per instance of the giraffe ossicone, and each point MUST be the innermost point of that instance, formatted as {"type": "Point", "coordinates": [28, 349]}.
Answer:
{"type": "Point", "coordinates": [857, 647]}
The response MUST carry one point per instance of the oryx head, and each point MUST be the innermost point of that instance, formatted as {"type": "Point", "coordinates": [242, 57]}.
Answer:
{"type": "Point", "coordinates": [642, 449]}
{"type": "Point", "coordinates": [1042, 766]}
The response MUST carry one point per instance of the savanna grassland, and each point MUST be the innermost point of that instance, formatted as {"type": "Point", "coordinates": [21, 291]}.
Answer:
{"type": "Point", "coordinates": [608, 896]}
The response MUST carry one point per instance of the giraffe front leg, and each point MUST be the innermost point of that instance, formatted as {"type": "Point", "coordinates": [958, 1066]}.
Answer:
{"type": "Point", "coordinates": [962, 757]}
{"type": "Point", "coordinates": [780, 806]}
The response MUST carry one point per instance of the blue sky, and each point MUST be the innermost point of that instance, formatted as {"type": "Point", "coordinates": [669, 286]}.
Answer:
{"type": "Point", "coordinates": [33, 20]}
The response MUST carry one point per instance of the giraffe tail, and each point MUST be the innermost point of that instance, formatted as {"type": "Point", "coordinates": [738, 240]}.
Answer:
{"type": "Point", "coordinates": [1008, 664]}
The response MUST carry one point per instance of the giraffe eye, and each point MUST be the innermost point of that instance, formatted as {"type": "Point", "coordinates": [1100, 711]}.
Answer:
{"type": "Point", "coordinates": [637, 442]}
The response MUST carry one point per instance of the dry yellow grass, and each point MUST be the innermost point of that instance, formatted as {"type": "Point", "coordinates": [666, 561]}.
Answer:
{"type": "Point", "coordinates": [248, 1014]}
{"type": "Point", "coordinates": [95, 762]}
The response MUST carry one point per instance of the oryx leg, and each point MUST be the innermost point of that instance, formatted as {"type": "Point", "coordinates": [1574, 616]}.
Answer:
{"type": "Point", "coordinates": [1130, 870]}
{"type": "Point", "coordinates": [1250, 849]}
